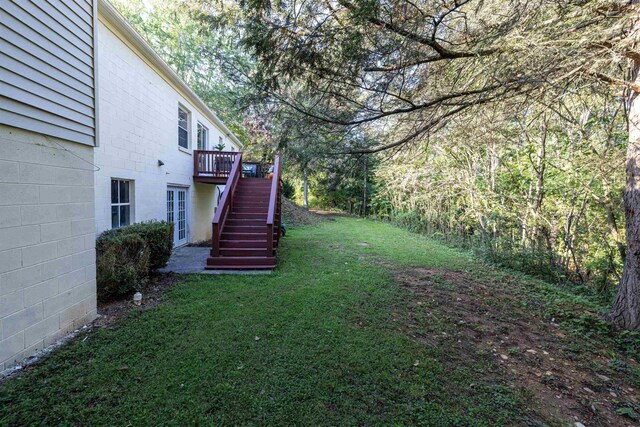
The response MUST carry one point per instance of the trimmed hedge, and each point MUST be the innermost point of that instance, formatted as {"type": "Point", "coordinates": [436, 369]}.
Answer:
{"type": "Point", "coordinates": [126, 256]}
{"type": "Point", "coordinates": [122, 265]}
{"type": "Point", "coordinates": [159, 238]}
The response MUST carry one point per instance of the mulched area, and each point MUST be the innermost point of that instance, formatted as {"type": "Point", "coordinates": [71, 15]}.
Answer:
{"type": "Point", "coordinates": [297, 216]}
{"type": "Point", "coordinates": [111, 312]}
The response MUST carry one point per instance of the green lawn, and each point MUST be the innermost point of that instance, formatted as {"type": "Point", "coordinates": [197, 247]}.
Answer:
{"type": "Point", "coordinates": [329, 338]}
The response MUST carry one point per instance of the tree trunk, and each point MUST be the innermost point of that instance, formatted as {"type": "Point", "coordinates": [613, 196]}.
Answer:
{"type": "Point", "coordinates": [625, 312]}
{"type": "Point", "coordinates": [305, 198]}
{"type": "Point", "coordinates": [364, 195]}
{"type": "Point", "coordinates": [540, 169]}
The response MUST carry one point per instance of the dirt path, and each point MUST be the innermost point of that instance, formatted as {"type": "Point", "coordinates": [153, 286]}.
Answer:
{"type": "Point", "coordinates": [568, 382]}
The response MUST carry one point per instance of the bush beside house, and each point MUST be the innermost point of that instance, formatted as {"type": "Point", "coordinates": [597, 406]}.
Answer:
{"type": "Point", "coordinates": [127, 255]}
{"type": "Point", "coordinates": [159, 238]}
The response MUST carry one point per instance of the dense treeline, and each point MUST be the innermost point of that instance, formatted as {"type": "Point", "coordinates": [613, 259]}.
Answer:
{"type": "Point", "coordinates": [537, 189]}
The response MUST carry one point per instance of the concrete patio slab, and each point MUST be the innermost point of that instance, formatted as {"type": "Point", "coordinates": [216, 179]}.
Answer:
{"type": "Point", "coordinates": [192, 259]}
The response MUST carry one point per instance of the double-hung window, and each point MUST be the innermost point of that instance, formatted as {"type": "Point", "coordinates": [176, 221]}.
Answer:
{"type": "Point", "coordinates": [183, 127]}
{"type": "Point", "coordinates": [120, 203]}
{"type": "Point", "coordinates": [203, 137]}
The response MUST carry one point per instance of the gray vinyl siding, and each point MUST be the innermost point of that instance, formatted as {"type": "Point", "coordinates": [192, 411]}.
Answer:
{"type": "Point", "coordinates": [47, 79]}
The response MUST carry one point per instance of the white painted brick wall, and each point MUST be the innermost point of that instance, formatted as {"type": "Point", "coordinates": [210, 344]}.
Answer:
{"type": "Point", "coordinates": [138, 113]}
{"type": "Point", "coordinates": [47, 241]}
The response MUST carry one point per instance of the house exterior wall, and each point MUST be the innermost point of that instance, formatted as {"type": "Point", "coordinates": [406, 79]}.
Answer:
{"type": "Point", "coordinates": [47, 135]}
{"type": "Point", "coordinates": [47, 241]}
{"type": "Point", "coordinates": [138, 127]}
{"type": "Point", "coordinates": [47, 67]}
{"type": "Point", "coordinates": [204, 196]}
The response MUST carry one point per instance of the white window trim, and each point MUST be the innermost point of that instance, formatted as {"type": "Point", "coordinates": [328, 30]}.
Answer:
{"type": "Point", "coordinates": [187, 190]}
{"type": "Point", "coordinates": [206, 141]}
{"type": "Point", "coordinates": [188, 129]}
{"type": "Point", "coordinates": [129, 203]}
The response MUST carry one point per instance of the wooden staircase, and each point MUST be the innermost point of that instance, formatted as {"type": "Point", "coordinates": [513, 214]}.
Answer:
{"type": "Point", "coordinates": [246, 227]}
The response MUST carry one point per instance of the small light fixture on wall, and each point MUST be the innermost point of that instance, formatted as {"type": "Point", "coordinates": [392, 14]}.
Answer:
{"type": "Point", "coordinates": [160, 163]}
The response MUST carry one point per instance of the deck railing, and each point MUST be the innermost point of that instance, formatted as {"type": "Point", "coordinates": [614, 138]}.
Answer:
{"type": "Point", "coordinates": [256, 169]}
{"type": "Point", "coordinates": [274, 214]}
{"type": "Point", "coordinates": [213, 164]}
{"type": "Point", "coordinates": [226, 203]}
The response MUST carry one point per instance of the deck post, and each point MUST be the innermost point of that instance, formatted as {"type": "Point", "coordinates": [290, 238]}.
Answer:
{"type": "Point", "coordinates": [269, 239]}
{"type": "Point", "coordinates": [215, 248]}
{"type": "Point", "coordinates": [273, 206]}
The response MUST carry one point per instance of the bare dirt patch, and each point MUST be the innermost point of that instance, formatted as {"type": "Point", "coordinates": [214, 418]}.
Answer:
{"type": "Point", "coordinates": [113, 311]}
{"type": "Point", "coordinates": [531, 354]}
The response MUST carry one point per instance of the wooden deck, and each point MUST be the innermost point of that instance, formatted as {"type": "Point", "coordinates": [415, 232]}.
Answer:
{"type": "Point", "coordinates": [214, 167]}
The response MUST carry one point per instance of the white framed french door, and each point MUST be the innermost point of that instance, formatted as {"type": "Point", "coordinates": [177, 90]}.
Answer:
{"type": "Point", "coordinates": [178, 213]}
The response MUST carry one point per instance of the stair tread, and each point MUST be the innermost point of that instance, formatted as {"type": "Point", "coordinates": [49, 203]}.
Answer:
{"type": "Point", "coordinates": [225, 259]}
{"type": "Point", "coordinates": [239, 267]}
{"type": "Point", "coordinates": [240, 233]}
{"type": "Point", "coordinates": [243, 234]}
{"type": "Point", "coordinates": [255, 257]}
{"type": "Point", "coordinates": [257, 248]}
{"type": "Point", "coordinates": [243, 241]}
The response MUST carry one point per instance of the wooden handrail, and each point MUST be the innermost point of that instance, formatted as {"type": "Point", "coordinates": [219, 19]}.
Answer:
{"type": "Point", "coordinates": [274, 205]}
{"type": "Point", "coordinates": [218, 152]}
{"type": "Point", "coordinates": [226, 203]}
{"type": "Point", "coordinates": [275, 180]}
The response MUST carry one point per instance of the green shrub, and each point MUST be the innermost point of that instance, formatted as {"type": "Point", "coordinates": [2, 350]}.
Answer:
{"type": "Point", "coordinates": [126, 255]}
{"type": "Point", "coordinates": [158, 235]}
{"type": "Point", "coordinates": [159, 238]}
{"type": "Point", "coordinates": [122, 264]}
